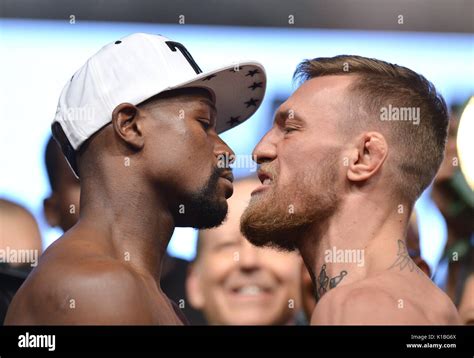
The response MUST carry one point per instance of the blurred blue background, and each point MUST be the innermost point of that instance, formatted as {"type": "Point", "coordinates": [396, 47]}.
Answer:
{"type": "Point", "coordinates": [37, 57]}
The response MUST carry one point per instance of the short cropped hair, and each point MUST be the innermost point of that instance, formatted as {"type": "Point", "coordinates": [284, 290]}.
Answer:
{"type": "Point", "coordinates": [381, 89]}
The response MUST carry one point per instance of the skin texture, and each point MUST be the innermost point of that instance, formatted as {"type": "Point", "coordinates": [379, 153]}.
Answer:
{"type": "Point", "coordinates": [413, 246]}
{"type": "Point", "coordinates": [337, 185]}
{"type": "Point", "coordinates": [227, 264]}
{"type": "Point", "coordinates": [135, 174]}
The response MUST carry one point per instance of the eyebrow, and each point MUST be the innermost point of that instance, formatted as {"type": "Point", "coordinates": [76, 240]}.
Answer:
{"type": "Point", "coordinates": [283, 115]}
{"type": "Point", "coordinates": [209, 103]}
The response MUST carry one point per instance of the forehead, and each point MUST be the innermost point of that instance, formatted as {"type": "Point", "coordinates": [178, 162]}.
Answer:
{"type": "Point", "coordinates": [195, 96]}
{"type": "Point", "coordinates": [321, 92]}
{"type": "Point", "coordinates": [183, 97]}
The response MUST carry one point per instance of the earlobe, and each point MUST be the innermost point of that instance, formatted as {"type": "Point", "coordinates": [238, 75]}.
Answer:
{"type": "Point", "coordinates": [128, 126]}
{"type": "Point", "coordinates": [368, 156]}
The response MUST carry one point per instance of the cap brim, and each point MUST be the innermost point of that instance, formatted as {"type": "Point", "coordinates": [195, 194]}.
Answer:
{"type": "Point", "coordinates": [238, 91]}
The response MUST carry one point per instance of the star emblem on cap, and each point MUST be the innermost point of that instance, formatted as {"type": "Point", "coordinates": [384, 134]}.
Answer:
{"type": "Point", "coordinates": [256, 85]}
{"type": "Point", "coordinates": [208, 78]}
{"type": "Point", "coordinates": [233, 121]}
{"type": "Point", "coordinates": [252, 102]}
{"type": "Point", "coordinates": [252, 73]}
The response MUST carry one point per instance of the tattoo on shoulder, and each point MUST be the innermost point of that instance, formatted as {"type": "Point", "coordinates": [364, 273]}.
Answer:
{"type": "Point", "coordinates": [403, 259]}
{"type": "Point", "coordinates": [323, 281]}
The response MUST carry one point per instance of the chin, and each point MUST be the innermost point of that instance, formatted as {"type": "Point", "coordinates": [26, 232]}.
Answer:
{"type": "Point", "coordinates": [204, 219]}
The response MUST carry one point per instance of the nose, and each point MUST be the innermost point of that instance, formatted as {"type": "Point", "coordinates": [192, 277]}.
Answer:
{"type": "Point", "coordinates": [265, 150]}
{"type": "Point", "coordinates": [249, 256]}
{"type": "Point", "coordinates": [222, 150]}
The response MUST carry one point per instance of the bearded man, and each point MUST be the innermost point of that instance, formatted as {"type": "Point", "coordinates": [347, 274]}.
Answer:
{"type": "Point", "coordinates": [348, 154]}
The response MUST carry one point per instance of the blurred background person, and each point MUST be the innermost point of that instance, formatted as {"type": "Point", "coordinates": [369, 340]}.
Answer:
{"type": "Point", "coordinates": [61, 207]}
{"type": "Point", "coordinates": [20, 247]}
{"type": "Point", "coordinates": [308, 296]}
{"type": "Point", "coordinates": [455, 200]}
{"type": "Point", "coordinates": [413, 246]}
{"type": "Point", "coordinates": [235, 283]}
{"type": "Point", "coordinates": [18, 228]}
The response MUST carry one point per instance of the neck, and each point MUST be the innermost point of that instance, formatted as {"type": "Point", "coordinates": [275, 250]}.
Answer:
{"type": "Point", "coordinates": [129, 217]}
{"type": "Point", "coordinates": [358, 241]}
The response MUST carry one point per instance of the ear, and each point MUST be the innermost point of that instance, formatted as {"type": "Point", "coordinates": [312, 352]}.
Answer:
{"type": "Point", "coordinates": [367, 157]}
{"type": "Point", "coordinates": [50, 210]}
{"type": "Point", "coordinates": [193, 287]}
{"type": "Point", "coordinates": [126, 120]}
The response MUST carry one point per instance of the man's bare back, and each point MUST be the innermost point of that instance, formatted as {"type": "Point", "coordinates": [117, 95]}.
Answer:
{"type": "Point", "coordinates": [82, 281]}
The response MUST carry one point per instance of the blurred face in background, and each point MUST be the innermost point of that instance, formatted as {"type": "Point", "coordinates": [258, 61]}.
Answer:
{"type": "Point", "coordinates": [61, 208]}
{"type": "Point", "coordinates": [450, 162]}
{"type": "Point", "coordinates": [18, 231]}
{"type": "Point", "coordinates": [236, 283]}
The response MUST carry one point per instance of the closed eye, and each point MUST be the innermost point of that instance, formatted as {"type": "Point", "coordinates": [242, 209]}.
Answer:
{"type": "Point", "coordinates": [288, 130]}
{"type": "Point", "coordinates": [206, 123]}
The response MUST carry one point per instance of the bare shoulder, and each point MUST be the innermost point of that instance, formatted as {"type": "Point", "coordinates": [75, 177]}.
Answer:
{"type": "Point", "coordinates": [67, 288]}
{"type": "Point", "coordinates": [361, 305]}
{"type": "Point", "coordinates": [384, 301]}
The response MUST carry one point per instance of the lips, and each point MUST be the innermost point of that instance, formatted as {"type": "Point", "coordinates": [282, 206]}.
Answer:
{"type": "Point", "coordinates": [228, 175]}
{"type": "Point", "coordinates": [266, 179]}
{"type": "Point", "coordinates": [228, 180]}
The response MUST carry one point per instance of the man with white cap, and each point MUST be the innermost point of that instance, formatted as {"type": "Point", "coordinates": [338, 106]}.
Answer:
{"type": "Point", "coordinates": [139, 124]}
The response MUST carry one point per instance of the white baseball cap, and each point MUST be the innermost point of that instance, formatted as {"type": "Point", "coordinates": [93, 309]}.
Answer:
{"type": "Point", "coordinates": [138, 67]}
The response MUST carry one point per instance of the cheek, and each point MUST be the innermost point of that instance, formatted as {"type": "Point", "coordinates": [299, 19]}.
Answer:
{"type": "Point", "coordinates": [218, 267]}
{"type": "Point", "coordinates": [284, 267]}
{"type": "Point", "coordinates": [184, 158]}
{"type": "Point", "coordinates": [303, 165]}
{"type": "Point", "coordinates": [198, 144]}
{"type": "Point", "coordinates": [294, 158]}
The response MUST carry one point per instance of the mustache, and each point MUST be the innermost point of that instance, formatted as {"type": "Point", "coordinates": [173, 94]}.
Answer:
{"type": "Point", "coordinates": [219, 171]}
